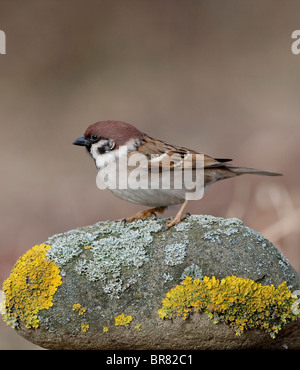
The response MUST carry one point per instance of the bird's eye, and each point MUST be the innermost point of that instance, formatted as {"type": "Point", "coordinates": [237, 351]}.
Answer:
{"type": "Point", "coordinates": [94, 137]}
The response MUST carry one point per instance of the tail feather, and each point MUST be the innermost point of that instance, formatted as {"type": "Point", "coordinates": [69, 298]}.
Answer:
{"type": "Point", "coordinates": [254, 171]}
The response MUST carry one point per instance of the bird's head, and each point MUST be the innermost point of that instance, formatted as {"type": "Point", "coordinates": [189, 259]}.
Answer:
{"type": "Point", "coordinates": [106, 136]}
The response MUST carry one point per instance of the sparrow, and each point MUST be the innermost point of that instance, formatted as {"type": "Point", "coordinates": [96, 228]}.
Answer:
{"type": "Point", "coordinates": [109, 142]}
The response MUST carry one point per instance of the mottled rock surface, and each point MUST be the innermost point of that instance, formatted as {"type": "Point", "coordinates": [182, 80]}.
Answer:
{"type": "Point", "coordinates": [114, 278]}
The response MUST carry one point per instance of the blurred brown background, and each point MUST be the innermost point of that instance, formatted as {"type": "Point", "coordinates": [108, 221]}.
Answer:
{"type": "Point", "coordinates": [217, 76]}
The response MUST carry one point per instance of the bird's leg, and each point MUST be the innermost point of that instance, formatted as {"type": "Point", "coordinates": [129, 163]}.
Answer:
{"type": "Point", "coordinates": [143, 214]}
{"type": "Point", "coordinates": [178, 217]}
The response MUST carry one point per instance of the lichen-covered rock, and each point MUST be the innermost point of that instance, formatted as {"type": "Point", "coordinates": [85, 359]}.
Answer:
{"type": "Point", "coordinates": [134, 286]}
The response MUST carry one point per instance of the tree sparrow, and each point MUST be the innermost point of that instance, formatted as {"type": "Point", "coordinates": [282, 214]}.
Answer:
{"type": "Point", "coordinates": [112, 143]}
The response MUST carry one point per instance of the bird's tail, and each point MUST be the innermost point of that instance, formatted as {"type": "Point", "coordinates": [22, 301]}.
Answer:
{"type": "Point", "coordinates": [254, 171]}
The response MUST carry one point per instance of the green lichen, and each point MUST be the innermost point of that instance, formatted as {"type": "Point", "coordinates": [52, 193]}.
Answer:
{"type": "Point", "coordinates": [238, 302]}
{"type": "Point", "coordinates": [30, 287]}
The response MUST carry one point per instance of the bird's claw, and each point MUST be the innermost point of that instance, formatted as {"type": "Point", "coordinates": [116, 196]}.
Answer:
{"type": "Point", "coordinates": [187, 215]}
{"type": "Point", "coordinates": [175, 221]}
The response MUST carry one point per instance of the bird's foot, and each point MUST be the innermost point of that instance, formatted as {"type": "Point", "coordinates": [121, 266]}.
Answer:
{"type": "Point", "coordinates": [178, 218]}
{"type": "Point", "coordinates": [144, 214]}
{"type": "Point", "coordinates": [175, 221]}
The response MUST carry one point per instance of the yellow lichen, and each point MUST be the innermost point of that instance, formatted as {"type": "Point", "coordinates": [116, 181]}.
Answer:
{"type": "Point", "coordinates": [239, 302]}
{"type": "Point", "coordinates": [79, 309]}
{"type": "Point", "coordinates": [122, 320]}
{"type": "Point", "coordinates": [84, 327]}
{"type": "Point", "coordinates": [138, 327]}
{"type": "Point", "coordinates": [30, 287]}
{"type": "Point", "coordinates": [105, 329]}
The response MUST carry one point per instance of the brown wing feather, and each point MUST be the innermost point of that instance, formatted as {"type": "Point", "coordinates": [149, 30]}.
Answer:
{"type": "Point", "coordinates": [173, 156]}
{"type": "Point", "coordinates": [161, 155]}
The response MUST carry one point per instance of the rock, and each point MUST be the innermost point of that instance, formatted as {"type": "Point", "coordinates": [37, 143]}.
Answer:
{"type": "Point", "coordinates": [102, 287]}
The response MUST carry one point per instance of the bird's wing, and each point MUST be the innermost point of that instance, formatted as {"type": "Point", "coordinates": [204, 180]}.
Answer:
{"type": "Point", "coordinates": [158, 155]}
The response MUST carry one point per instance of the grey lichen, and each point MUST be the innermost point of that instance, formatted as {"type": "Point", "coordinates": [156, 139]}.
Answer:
{"type": "Point", "coordinates": [226, 227]}
{"type": "Point", "coordinates": [174, 254]}
{"type": "Point", "coordinates": [167, 277]}
{"type": "Point", "coordinates": [209, 221]}
{"type": "Point", "coordinates": [67, 245]}
{"type": "Point", "coordinates": [194, 271]}
{"type": "Point", "coordinates": [106, 251]}
{"type": "Point", "coordinates": [109, 255]}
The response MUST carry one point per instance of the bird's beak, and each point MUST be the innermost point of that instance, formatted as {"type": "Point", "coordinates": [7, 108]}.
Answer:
{"type": "Point", "coordinates": [82, 141]}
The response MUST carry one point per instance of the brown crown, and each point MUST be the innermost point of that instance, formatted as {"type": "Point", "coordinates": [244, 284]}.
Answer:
{"type": "Point", "coordinates": [119, 132]}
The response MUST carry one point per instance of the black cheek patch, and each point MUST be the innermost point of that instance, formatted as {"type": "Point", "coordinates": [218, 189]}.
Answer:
{"type": "Point", "coordinates": [107, 146]}
{"type": "Point", "coordinates": [102, 149]}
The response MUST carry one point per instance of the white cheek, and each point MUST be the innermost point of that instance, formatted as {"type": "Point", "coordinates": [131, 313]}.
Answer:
{"type": "Point", "coordinates": [95, 147]}
{"type": "Point", "coordinates": [103, 160]}
{"type": "Point", "coordinates": [109, 158]}
{"type": "Point", "coordinates": [113, 155]}
{"type": "Point", "coordinates": [94, 151]}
